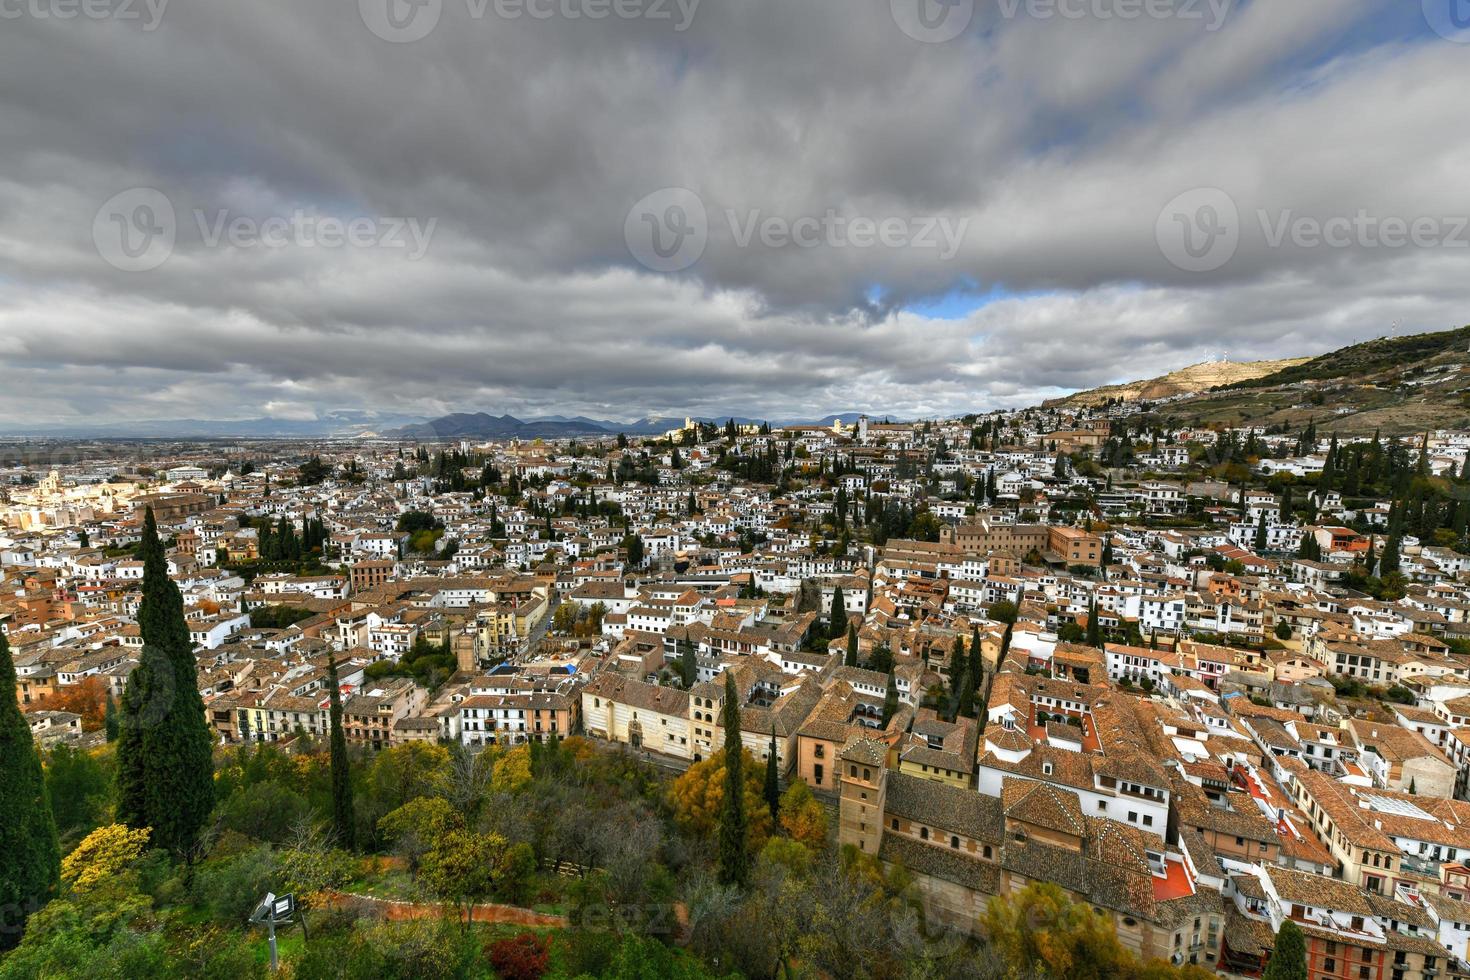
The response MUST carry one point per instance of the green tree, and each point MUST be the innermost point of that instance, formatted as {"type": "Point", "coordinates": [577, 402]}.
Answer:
{"type": "Point", "coordinates": [164, 749]}
{"type": "Point", "coordinates": [110, 724]}
{"type": "Point", "coordinates": [773, 779]}
{"type": "Point", "coordinates": [852, 646]}
{"type": "Point", "coordinates": [343, 817]}
{"type": "Point", "coordinates": [734, 858]}
{"type": "Point", "coordinates": [79, 787]}
{"type": "Point", "coordinates": [890, 700]}
{"type": "Point", "coordinates": [688, 664]}
{"type": "Point", "coordinates": [32, 856]}
{"type": "Point", "coordinates": [838, 619]}
{"type": "Point", "coordinates": [1041, 927]}
{"type": "Point", "coordinates": [1289, 958]}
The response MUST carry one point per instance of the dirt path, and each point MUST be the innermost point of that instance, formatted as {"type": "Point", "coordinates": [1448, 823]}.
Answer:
{"type": "Point", "coordinates": [488, 913]}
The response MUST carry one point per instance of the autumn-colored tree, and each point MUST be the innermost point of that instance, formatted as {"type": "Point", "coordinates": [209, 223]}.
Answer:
{"type": "Point", "coordinates": [1041, 926]}
{"type": "Point", "coordinates": [699, 794]}
{"type": "Point", "coordinates": [103, 856]}
{"type": "Point", "coordinates": [87, 697]}
{"type": "Point", "coordinates": [417, 826]}
{"type": "Point", "coordinates": [512, 771]}
{"type": "Point", "coordinates": [803, 816]}
{"type": "Point", "coordinates": [523, 957]}
{"type": "Point", "coordinates": [465, 867]}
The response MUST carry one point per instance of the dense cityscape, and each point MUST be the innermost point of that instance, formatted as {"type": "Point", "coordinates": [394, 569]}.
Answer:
{"type": "Point", "coordinates": [1072, 690]}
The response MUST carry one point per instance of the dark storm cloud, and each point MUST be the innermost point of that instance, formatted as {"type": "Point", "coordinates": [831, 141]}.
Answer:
{"type": "Point", "coordinates": [519, 145]}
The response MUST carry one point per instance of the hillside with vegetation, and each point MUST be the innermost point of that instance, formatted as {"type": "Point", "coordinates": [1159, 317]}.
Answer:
{"type": "Point", "coordinates": [1186, 381]}
{"type": "Point", "coordinates": [1395, 386]}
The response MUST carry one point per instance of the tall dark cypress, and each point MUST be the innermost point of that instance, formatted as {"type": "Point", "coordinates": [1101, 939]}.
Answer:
{"type": "Point", "coordinates": [31, 861]}
{"type": "Point", "coordinates": [343, 818]}
{"type": "Point", "coordinates": [890, 699]}
{"type": "Point", "coordinates": [164, 749]}
{"type": "Point", "coordinates": [734, 858]}
{"type": "Point", "coordinates": [773, 779]}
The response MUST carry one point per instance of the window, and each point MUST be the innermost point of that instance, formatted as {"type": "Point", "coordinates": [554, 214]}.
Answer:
{"type": "Point", "coordinates": [954, 842]}
{"type": "Point", "coordinates": [923, 833]}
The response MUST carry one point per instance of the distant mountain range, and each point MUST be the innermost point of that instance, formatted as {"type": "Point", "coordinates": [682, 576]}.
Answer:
{"type": "Point", "coordinates": [362, 424]}
{"type": "Point", "coordinates": [482, 425]}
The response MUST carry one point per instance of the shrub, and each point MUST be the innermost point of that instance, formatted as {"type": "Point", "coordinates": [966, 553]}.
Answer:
{"type": "Point", "coordinates": [523, 957]}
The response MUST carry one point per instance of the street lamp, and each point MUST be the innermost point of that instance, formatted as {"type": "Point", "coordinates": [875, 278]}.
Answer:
{"type": "Point", "coordinates": [272, 911]}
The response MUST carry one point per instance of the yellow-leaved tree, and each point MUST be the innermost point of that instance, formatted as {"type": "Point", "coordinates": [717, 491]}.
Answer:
{"type": "Point", "coordinates": [698, 794]}
{"type": "Point", "coordinates": [103, 856]}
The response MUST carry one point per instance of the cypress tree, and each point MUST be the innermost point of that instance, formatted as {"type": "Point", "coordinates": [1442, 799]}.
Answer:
{"type": "Point", "coordinates": [1289, 958]}
{"type": "Point", "coordinates": [1260, 542]}
{"type": "Point", "coordinates": [1389, 562]}
{"type": "Point", "coordinates": [852, 646]}
{"type": "Point", "coordinates": [890, 700]}
{"type": "Point", "coordinates": [1094, 626]}
{"type": "Point", "coordinates": [773, 779]}
{"type": "Point", "coordinates": [109, 718]}
{"type": "Point", "coordinates": [688, 663]}
{"type": "Point", "coordinates": [734, 858]}
{"type": "Point", "coordinates": [958, 662]}
{"type": "Point", "coordinates": [966, 706]}
{"type": "Point", "coordinates": [839, 615]}
{"type": "Point", "coordinates": [343, 818]}
{"type": "Point", "coordinates": [32, 856]}
{"type": "Point", "coordinates": [165, 766]}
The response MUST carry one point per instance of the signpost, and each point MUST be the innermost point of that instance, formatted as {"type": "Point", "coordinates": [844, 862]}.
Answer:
{"type": "Point", "coordinates": [272, 911]}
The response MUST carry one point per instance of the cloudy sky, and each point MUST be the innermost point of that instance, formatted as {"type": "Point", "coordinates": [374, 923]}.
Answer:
{"type": "Point", "coordinates": [219, 209]}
